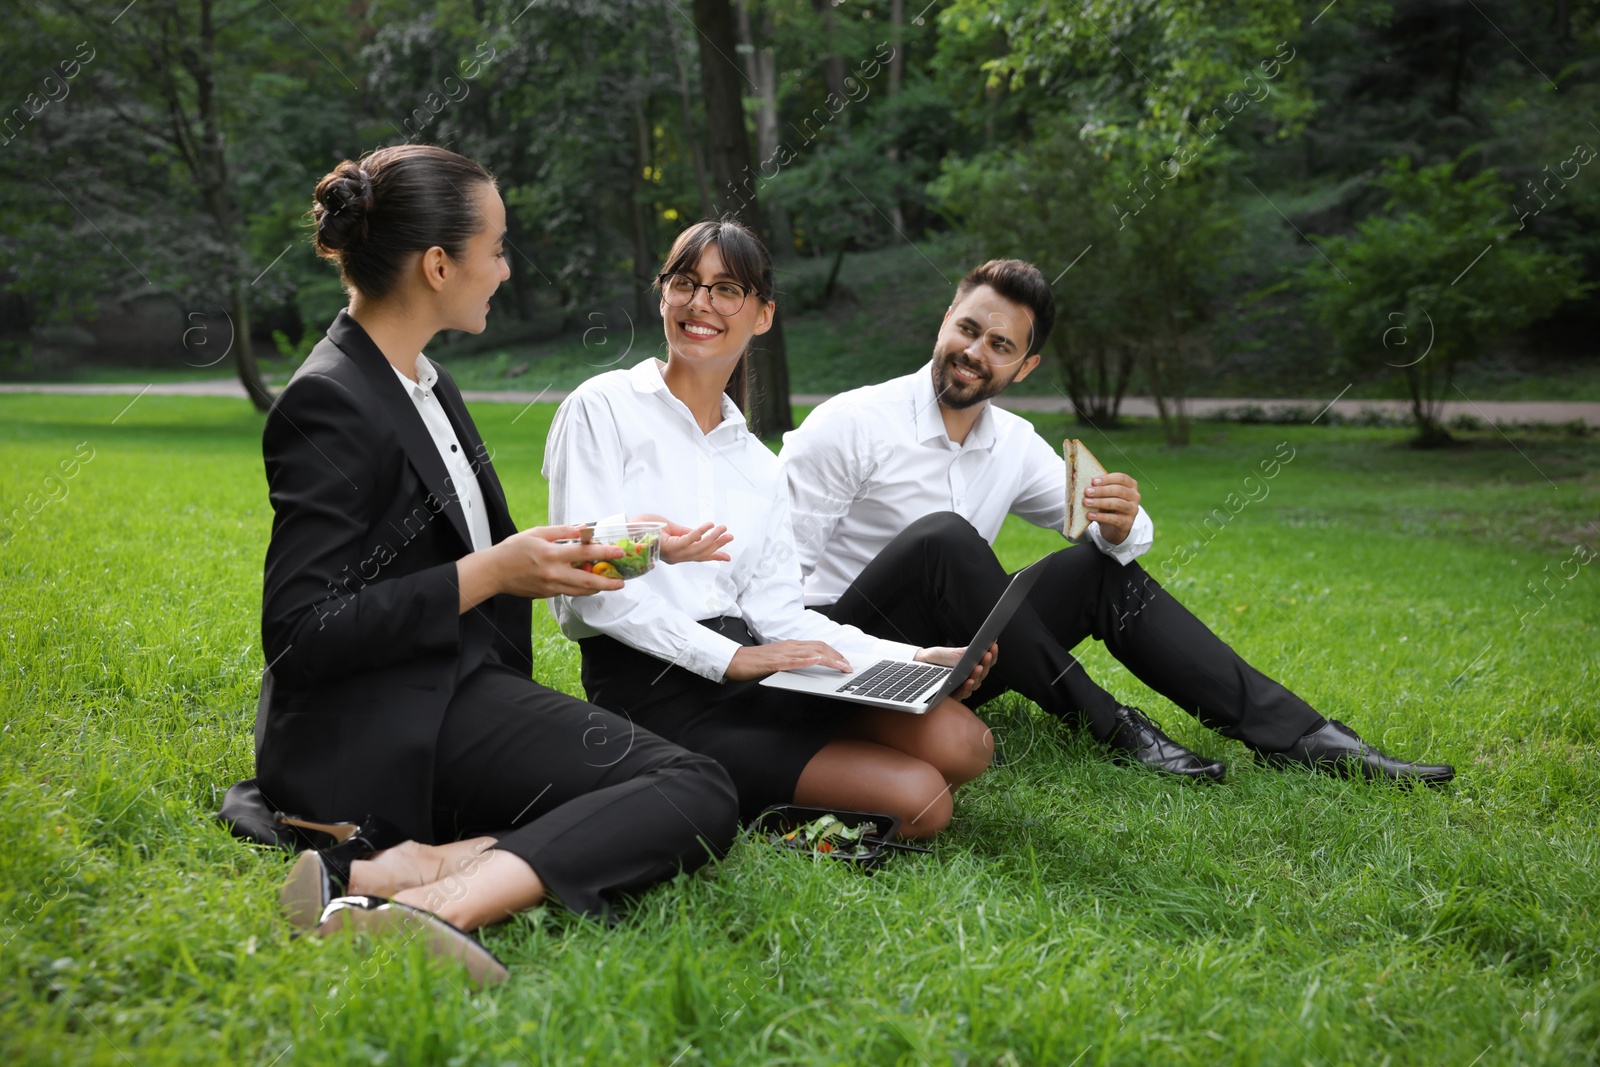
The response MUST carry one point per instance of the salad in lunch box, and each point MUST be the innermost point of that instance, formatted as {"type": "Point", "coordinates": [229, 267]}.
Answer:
{"type": "Point", "coordinates": [640, 543]}
{"type": "Point", "coordinates": [831, 837]}
{"type": "Point", "coordinates": [641, 557]}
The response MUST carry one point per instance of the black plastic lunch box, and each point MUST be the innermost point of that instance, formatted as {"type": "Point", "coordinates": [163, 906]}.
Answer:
{"type": "Point", "coordinates": [781, 818]}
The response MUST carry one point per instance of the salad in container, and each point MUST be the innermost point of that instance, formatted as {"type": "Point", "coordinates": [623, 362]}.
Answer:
{"type": "Point", "coordinates": [861, 838]}
{"type": "Point", "coordinates": [639, 541]}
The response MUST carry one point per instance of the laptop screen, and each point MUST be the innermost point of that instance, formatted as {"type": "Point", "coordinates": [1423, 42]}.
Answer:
{"type": "Point", "coordinates": [1010, 601]}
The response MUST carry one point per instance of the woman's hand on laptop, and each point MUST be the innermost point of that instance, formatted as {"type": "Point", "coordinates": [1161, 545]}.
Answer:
{"type": "Point", "coordinates": [949, 657]}
{"type": "Point", "coordinates": [758, 661]}
{"type": "Point", "coordinates": [685, 545]}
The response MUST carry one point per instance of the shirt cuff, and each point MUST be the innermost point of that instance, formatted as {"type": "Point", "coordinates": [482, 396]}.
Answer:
{"type": "Point", "coordinates": [708, 654]}
{"type": "Point", "coordinates": [1136, 544]}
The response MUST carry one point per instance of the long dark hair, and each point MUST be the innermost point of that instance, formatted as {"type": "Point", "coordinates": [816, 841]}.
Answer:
{"type": "Point", "coordinates": [408, 198]}
{"type": "Point", "coordinates": [745, 257]}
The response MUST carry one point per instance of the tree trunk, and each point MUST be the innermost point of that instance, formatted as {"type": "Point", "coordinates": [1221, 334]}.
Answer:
{"type": "Point", "coordinates": [721, 82]}
{"type": "Point", "coordinates": [1097, 384]}
{"type": "Point", "coordinates": [1426, 406]}
{"type": "Point", "coordinates": [244, 354]}
{"type": "Point", "coordinates": [643, 259]}
{"type": "Point", "coordinates": [833, 277]}
{"type": "Point", "coordinates": [833, 68]}
{"type": "Point", "coordinates": [213, 179]}
{"type": "Point", "coordinates": [1078, 388]}
{"type": "Point", "coordinates": [1124, 376]}
{"type": "Point", "coordinates": [897, 36]}
{"type": "Point", "coordinates": [685, 102]}
{"type": "Point", "coordinates": [1165, 387]}
{"type": "Point", "coordinates": [897, 22]}
{"type": "Point", "coordinates": [762, 67]}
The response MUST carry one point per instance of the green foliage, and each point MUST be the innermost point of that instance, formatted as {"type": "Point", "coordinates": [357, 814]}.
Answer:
{"type": "Point", "coordinates": [171, 140]}
{"type": "Point", "coordinates": [548, 96]}
{"type": "Point", "coordinates": [1076, 910]}
{"type": "Point", "coordinates": [1555, 194]}
{"type": "Point", "coordinates": [294, 353]}
{"type": "Point", "coordinates": [1147, 73]}
{"type": "Point", "coordinates": [1426, 284]}
{"type": "Point", "coordinates": [1136, 256]}
{"type": "Point", "coordinates": [575, 104]}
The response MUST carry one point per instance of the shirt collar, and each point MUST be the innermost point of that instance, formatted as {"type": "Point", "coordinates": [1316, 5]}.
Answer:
{"type": "Point", "coordinates": [930, 424]}
{"type": "Point", "coordinates": [427, 376]}
{"type": "Point", "coordinates": [427, 373]}
{"type": "Point", "coordinates": [646, 378]}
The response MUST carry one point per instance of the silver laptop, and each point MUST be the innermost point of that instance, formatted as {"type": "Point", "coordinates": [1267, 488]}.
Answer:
{"type": "Point", "coordinates": [903, 684]}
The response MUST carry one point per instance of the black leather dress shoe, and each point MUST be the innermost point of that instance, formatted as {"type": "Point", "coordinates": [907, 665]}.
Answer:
{"type": "Point", "coordinates": [1136, 739]}
{"type": "Point", "coordinates": [1334, 748]}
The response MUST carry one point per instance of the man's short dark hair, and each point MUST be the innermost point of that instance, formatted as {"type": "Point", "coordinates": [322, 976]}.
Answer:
{"type": "Point", "coordinates": [1021, 283]}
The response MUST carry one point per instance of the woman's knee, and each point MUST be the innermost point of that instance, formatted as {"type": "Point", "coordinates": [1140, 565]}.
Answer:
{"type": "Point", "coordinates": [962, 745]}
{"type": "Point", "coordinates": [923, 802]}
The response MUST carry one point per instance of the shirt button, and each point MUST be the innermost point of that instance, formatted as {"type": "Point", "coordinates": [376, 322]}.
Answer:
{"type": "Point", "coordinates": [452, 448]}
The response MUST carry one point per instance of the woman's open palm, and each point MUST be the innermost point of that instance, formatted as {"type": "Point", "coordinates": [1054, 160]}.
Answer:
{"type": "Point", "coordinates": [682, 544]}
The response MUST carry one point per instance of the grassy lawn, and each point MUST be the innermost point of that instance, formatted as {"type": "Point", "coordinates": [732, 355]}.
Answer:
{"type": "Point", "coordinates": [1077, 913]}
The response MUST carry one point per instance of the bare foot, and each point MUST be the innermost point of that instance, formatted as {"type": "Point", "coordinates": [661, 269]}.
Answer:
{"type": "Point", "coordinates": [405, 866]}
{"type": "Point", "coordinates": [492, 886]}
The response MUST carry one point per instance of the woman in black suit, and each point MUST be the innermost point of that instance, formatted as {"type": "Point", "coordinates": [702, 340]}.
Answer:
{"type": "Point", "coordinates": [396, 608]}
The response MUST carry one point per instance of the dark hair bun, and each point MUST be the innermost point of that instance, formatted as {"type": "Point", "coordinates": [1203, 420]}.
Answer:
{"type": "Point", "coordinates": [343, 203]}
{"type": "Point", "coordinates": [372, 215]}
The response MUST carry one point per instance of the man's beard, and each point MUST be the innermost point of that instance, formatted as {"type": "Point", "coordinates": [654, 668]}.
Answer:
{"type": "Point", "coordinates": [956, 394]}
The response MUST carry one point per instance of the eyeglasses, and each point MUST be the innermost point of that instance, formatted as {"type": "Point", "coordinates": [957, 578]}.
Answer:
{"type": "Point", "coordinates": [727, 298]}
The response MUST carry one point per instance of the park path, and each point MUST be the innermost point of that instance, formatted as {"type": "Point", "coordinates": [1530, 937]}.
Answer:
{"type": "Point", "coordinates": [1554, 412]}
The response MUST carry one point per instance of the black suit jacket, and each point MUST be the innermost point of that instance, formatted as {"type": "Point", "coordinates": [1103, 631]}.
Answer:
{"type": "Point", "coordinates": [360, 621]}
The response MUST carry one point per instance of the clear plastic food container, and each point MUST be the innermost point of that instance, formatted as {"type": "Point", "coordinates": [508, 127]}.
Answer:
{"type": "Point", "coordinates": [640, 541]}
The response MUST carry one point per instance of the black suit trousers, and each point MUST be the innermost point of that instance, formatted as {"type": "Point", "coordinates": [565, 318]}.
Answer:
{"type": "Point", "coordinates": [935, 582]}
{"type": "Point", "coordinates": [594, 804]}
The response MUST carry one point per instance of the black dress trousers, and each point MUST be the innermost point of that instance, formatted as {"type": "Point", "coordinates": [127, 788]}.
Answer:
{"type": "Point", "coordinates": [596, 805]}
{"type": "Point", "coordinates": [764, 737]}
{"type": "Point", "coordinates": [935, 582]}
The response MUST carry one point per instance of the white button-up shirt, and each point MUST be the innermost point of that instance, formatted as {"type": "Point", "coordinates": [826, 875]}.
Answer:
{"type": "Point", "coordinates": [622, 444]}
{"type": "Point", "coordinates": [868, 463]}
{"type": "Point", "coordinates": [463, 476]}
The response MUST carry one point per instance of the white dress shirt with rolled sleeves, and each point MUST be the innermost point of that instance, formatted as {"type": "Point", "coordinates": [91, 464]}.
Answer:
{"type": "Point", "coordinates": [622, 444]}
{"type": "Point", "coordinates": [866, 464]}
{"type": "Point", "coordinates": [461, 467]}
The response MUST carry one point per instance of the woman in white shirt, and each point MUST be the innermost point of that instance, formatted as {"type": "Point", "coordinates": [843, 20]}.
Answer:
{"type": "Point", "coordinates": [680, 650]}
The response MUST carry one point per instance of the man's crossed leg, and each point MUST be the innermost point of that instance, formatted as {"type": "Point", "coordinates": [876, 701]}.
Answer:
{"type": "Point", "coordinates": [937, 578]}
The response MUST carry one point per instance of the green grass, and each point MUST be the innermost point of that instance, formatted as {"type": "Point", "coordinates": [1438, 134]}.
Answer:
{"type": "Point", "coordinates": [1076, 912]}
{"type": "Point", "coordinates": [273, 369]}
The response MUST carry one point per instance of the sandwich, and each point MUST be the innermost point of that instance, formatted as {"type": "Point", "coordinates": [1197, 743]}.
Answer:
{"type": "Point", "coordinates": [1082, 470]}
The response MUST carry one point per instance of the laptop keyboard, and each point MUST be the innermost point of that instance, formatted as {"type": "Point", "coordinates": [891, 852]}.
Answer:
{"type": "Point", "coordinates": [894, 680]}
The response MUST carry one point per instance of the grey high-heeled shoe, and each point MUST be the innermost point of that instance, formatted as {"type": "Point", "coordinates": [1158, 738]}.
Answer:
{"type": "Point", "coordinates": [377, 915]}
{"type": "Point", "coordinates": [321, 874]}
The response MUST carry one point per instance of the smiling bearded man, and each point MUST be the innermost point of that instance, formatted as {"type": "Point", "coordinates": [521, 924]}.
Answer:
{"type": "Point", "coordinates": [898, 491]}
